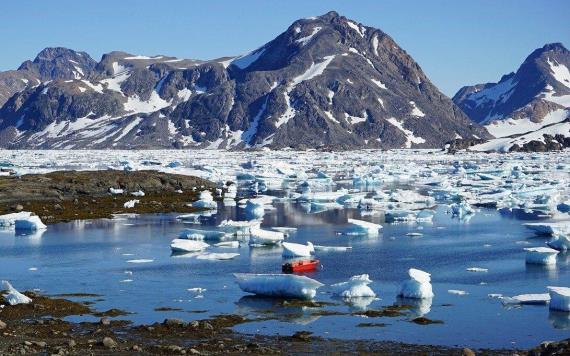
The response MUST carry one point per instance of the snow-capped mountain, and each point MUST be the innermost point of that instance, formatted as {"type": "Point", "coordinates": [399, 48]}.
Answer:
{"type": "Point", "coordinates": [528, 104]}
{"type": "Point", "coordinates": [325, 82]}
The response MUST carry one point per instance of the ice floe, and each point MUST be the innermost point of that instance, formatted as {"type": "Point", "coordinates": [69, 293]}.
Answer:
{"type": "Point", "coordinates": [14, 297]}
{"type": "Point", "coordinates": [278, 285]}
{"type": "Point", "coordinates": [418, 286]}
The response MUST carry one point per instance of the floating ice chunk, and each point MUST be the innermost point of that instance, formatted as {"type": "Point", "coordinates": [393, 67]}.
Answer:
{"type": "Point", "coordinates": [10, 219]}
{"type": "Point", "coordinates": [278, 285]}
{"type": "Point", "coordinates": [477, 269]}
{"type": "Point", "coordinates": [131, 204]}
{"type": "Point", "coordinates": [198, 234]}
{"type": "Point", "coordinates": [216, 256]}
{"type": "Point", "coordinates": [116, 190]}
{"type": "Point", "coordinates": [183, 245]}
{"type": "Point", "coordinates": [462, 209]}
{"type": "Point", "coordinates": [197, 290]}
{"type": "Point", "coordinates": [14, 297]}
{"type": "Point", "coordinates": [457, 292]}
{"type": "Point", "coordinates": [254, 209]}
{"type": "Point", "coordinates": [332, 248]}
{"type": "Point", "coordinates": [541, 255]}
{"type": "Point", "coordinates": [365, 227]}
{"type": "Point", "coordinates": [560, 242]}
{"type": "Point", "coordinates": [265, 237]}
{"type": "Point", "coordinates": [227, 244]}
{"type": "Point", "coordinates": [540, 298]}
{"type": "Point", "coordinates": [285, 230]}
{"type": "Point", "coordinates": [559, 298]}
{"type": "Point", "coordinates": [142, 260]}
{"type": "Point", "coordinates": [355, 287]}
{"type": "Point", "coordinates": [239, 228]}
{"type": "Point", "coordinates": [549, 228]}
{"type": "Point", "coordinates": [31, 223]}
{"type": "Point", "coordinates": [291, 249]}
{"type": "Point", "coordinates": [206, 201]}
{"type": "Point", "coordinates": [418, 286]}
{"type": "Point", "coordinates": [138, 193]}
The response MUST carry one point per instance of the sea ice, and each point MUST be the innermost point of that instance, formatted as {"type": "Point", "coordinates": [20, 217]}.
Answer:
{"type": "Point", "coordinates": [278, 285]}
{"type": "Point", "coordinates": [14, 297]}
{"type": "Point", "coordinates": [206, 201]}
{"type": "Point", "coordinates": [265, 237]}
{"type": "Point", "coordinates": [418, 286]}
{"type": "Point", "coordinates": [540, 298]}
{"type": "Point", "coordinates": [291, 249]}
{"type": "Point", "coordinates": [10, 219]}
{"type": "Point", "coordinates": [216, 256]}
{"type": "Point", "coordinates": [183, 245]}
{"type": "Point", "coordinates": [559, 298]}
{"type": "Point", "coordinates": [355, 287]}
{"type": "Point", "coordinates": [541, 255]}
{"type": "Point", "coordinates": [560, 242]}
{"type": "Point", "coordinates": [31, 223]}
{"type": "Point", "coordinates": [365, 227]}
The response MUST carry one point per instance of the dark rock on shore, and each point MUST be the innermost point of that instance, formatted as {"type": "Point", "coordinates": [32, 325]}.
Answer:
{"type": "Point", "coordinates": [71, 195]}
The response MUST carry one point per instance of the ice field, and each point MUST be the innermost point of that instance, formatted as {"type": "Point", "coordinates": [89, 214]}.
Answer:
{"type": "Point", "coordinates": [470, 240]}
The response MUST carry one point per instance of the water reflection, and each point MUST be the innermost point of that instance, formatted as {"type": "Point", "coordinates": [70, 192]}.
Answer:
{"type": "Point", "coordinates": [418, 307]}
{"type": "Point", "coordinates": [559, 319]}
{"type": "Point", "coordinates": [275, 308]}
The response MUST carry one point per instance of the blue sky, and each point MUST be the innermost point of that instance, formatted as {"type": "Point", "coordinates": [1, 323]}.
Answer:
{"type": "Point", "coordinates": [455, 42]}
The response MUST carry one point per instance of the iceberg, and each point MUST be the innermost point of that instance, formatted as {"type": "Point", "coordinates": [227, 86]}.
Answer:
{"type": "Point", "coordinates": [555, 228]}
{"type": "Point", "coordinates": [559, 298]}
{"type": "Point", "coordinates": [183, 245]}
{"type": "Point", "coordinates": [31, 223]}
{"type": "Point", "coordinates": [560, 242]}
{"type": "Point", "coordinates": [332, 248]}
{"type": "Point", "coordinates": [355, 287]}
{"type": "Point", "coordinates": [198, 234]}
{"type": "Point", "coordinates": [239, 228]}
{"type": "Point", "coordinates": [418, 286]}
{"type": "Point", "coordinates": [365, 227]}
{"type": "Point", "coordinates": [216, 256]}
{"type": "Point", "coordinates": [10, 219]}
{"type": "Point", "coordinates": [541, 255]}
{"type": "Point", "coordinates": [461, 210]}
{"type": "Point", "coordinates": [205, 201]}
{"type": "Point", "coordinates": [278, 285]}
{"type": "Point", "coordinates": [227, 244]}
{"type": "Point", "coordinates": [14, 297]}
{"type": "Point", "coordinates": [532, 299]}
{"type": "Point", "coordinates": [265, 237]}
{"type": "Point", "coordinates": [291, 249]}
{"type": "Point", "coordinates": [254, 209]}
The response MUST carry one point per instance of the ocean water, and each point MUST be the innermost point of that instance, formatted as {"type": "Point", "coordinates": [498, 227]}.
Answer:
{"type": "Point", "coordinates": [93, 257]}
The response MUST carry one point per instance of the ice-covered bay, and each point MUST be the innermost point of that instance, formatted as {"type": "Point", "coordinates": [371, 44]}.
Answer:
{"type": "Point", "coordinates": [504, 192]}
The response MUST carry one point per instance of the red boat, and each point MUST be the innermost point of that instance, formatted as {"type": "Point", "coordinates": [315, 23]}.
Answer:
{"type": "Point", "coordinates": [300, 266]}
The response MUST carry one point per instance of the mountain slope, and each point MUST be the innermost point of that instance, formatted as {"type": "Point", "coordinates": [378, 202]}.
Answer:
{"type": "Point", "coordinates": [324, 82]}
{"type": "Point", "coordinates": [537, 96]}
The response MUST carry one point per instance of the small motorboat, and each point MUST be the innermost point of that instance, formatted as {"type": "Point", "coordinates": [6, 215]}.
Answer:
{"type": "Point", "coordinates": [300, 266]}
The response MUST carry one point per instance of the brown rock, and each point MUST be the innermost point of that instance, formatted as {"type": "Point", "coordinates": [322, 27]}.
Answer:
{"type": "Point", "coordinates": [467, 352]}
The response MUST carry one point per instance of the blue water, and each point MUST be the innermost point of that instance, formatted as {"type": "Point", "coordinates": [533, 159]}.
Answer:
{"type": "Point", "coordinates": [91, 257]}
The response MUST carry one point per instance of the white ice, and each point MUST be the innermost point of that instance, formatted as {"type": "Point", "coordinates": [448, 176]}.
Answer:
{"type": "Point", "coordinates": [183, 245]}
{"type": "Point", "coordinates": [418, 286]}
{"type": "Point", "coordinates": [14, 297]}
{"type": "Point", "coordinates": [355, 287]}
{"type": "Point", "coordinates": [291, 249]}
{"type": "Point", "coordinates": [278, 285]}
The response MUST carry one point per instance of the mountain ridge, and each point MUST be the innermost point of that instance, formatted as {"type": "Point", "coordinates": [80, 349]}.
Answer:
{"type": "Point", "coordinates": [325, 82]}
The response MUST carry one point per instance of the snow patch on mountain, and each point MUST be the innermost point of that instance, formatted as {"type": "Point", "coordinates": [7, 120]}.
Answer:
{"type": "Point", "coordinates": [410, 137]}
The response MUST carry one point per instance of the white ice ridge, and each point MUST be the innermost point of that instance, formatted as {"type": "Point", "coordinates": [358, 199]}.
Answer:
{"type": "Point", "coordinates": [365, 227]}
{"type": "Point", "coordinates": [418, 286]}
{"type": "Point", "coordinates": [278, 285]}
{"type": "Point", "coordinates": [355, 287]}
{"type": "Point", "coordinates": [291, 249]}
{"type": "Point", "coordinates": [184, 245]}
{"type": "Point", "coordinates": [14, 297]}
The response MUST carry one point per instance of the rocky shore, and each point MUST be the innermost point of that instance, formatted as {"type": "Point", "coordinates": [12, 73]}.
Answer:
{"type": "Point", "coordinates": [70, 195]}
{"type": "Point", "coordinates": [40, 328]}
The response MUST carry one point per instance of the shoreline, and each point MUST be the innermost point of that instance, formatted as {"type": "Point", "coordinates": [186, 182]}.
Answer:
{"type": "Point", "coordinates": [64, 196]}
{"type": "Point", "coordinates": [38, 327]}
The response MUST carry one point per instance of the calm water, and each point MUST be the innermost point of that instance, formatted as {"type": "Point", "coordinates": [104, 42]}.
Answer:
{"type": "Point", "coordinates": [91, 257]}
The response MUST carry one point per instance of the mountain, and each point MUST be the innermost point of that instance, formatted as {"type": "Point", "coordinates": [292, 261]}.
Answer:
{"type": "Point", "coordinates": [528, 104]}
{"type": "Point", "coordinates": [326, 82]}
